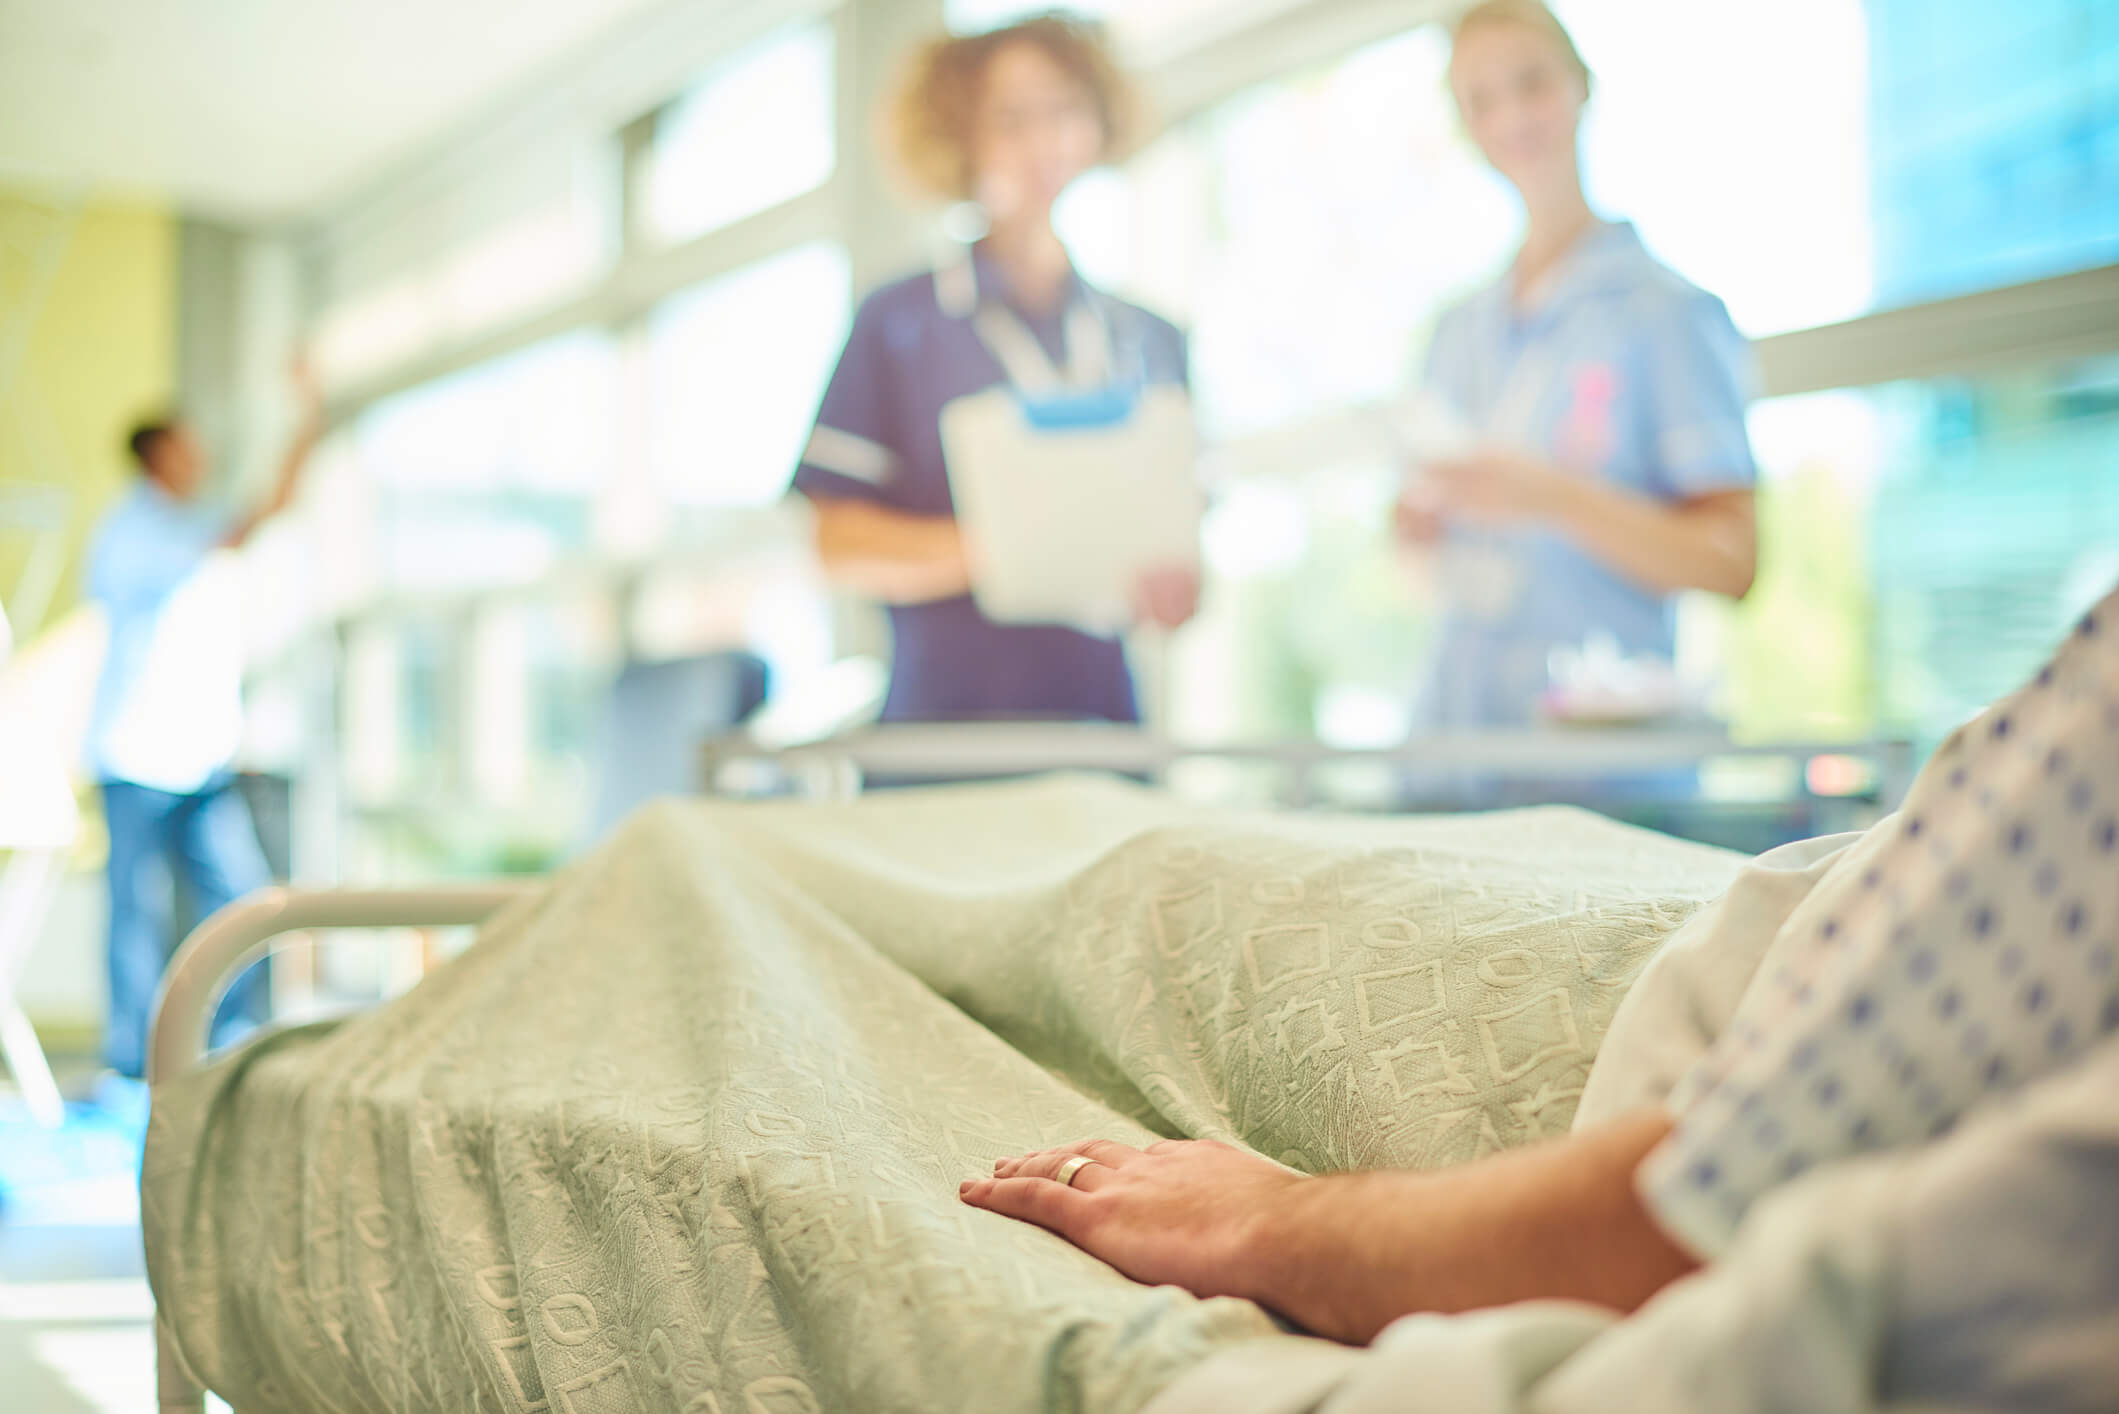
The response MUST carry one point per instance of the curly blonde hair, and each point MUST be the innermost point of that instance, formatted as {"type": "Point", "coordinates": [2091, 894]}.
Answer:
{"type": "Point", "coordinates": [930, 117]}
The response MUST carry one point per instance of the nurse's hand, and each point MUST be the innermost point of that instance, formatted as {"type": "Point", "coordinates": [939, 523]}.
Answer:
{"type": "Point", "coordinates": [1496, 487]}
{"type": "Point", "coordinates": [1167, 597]}
{"type": "Point", "coordinates": [1417, 517]}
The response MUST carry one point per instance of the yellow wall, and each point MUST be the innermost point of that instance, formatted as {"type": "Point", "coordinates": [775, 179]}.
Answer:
{"type": "Point", "coordinates": [85, 350]}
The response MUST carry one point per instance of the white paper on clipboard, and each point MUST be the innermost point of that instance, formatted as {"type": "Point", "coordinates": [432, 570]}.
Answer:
{"type": "Point", "coordinates": [1062, 522]}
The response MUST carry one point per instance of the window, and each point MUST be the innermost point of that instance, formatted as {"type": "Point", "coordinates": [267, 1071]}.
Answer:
{"type": "Point", "coordinates": [517, 267]}
{"type": "Point", "coordinates": [1307, 231]}
{"type": "Point", "coordinates": [469, 733]}
{"type": "Point", "coordinates": [1312, 227]}
{"type": "Point", "coordinates": [1923, 540]}
{"type": "Point", "coordinates": [488, 475]}
{"type": "Point", "coordinates": [365, 335]}
{"type": "Point", "coordinates": [1995, 523]}
{"type": "Point", "coordinates": [1311, 623]}
{"type": "Point", "coordinates": [755, 132]}
{"type": "Point", "coordinates": [1848, 155]}
{"type": "Point", "coordinates": [1996, 142]}
{"type": "Point", "coordinates": [523, 239]}
{"type": "Point", "coordinates": [736, 369]}
{"type": "Point", "coordinates": [1738, 144]}
{"type": "Point", "coordinates": [1925, 543]}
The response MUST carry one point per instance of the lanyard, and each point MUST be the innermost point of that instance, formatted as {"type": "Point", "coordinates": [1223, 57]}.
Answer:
{"type": "Point", "coordinates": [1084, 329]}
{"type": "Point", "coordinates": [1023, 358]}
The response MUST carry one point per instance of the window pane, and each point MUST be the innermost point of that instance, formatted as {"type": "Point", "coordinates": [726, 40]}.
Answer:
{"type": "Point", "coordinates": [737, 368]}
{"type": "Point", "coordinates": [1307, 230]}
{"type": "Point", "coordinates": [487, 476]}
{"type": "Point", "coordinates": [1996, 523]}
{"type": "Point", "coordinates": [374, 331]}
{"type": "Point", "coordinates": [755, 132]}
{"type": "Point", "coordinates": [1997, 142]}
{"type": "Point", "coordinates": [1860, 154]}
{"type": "Point", "coordinates": [465, 264]}
{"type": "Point", "coordinates": [1738, 147]}
{"type": "Point", "coordinates": [1310, 624]}
{"type": "Point", "coordinates": [1925, 545]}
{"type": "Point", "coordinates": [518, 267]}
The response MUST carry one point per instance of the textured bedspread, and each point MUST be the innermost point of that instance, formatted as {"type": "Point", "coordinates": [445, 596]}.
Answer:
{"type": "Point", "coordinates": [684, 1131]}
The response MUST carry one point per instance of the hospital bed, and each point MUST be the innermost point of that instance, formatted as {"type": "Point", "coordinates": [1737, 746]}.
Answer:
{"type": "Point", "coordinates": [218, 951]}
{"type": "Point", "coordinates": [995, 927]}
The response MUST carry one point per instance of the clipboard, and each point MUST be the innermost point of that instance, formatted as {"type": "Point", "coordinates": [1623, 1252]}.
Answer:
{"type": "Point", "coordinates": [1066, 500]}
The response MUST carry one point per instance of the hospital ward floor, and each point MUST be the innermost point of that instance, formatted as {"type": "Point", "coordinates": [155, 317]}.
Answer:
{"type": "Point", "coordinates": [76, 1319]}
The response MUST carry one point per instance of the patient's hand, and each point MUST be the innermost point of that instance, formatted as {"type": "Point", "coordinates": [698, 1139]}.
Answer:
{"type": "Point", "coordinates": [1183, 1212]}
{"type": "Point", "coordinates": [1346, 1254]}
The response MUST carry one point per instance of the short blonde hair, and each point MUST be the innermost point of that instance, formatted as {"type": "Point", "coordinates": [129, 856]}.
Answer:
{"type": "Point", "coordinates": [1532, 14]}
{"type": "Point", "coordinates": [930, 117]}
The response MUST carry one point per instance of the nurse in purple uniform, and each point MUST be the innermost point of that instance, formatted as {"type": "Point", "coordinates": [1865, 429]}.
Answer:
{"type": "Point", "coordinates": [1007, 119]}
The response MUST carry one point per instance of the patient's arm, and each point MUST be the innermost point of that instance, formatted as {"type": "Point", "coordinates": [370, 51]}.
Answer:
{"type": "Point", "coordinates": [1348, 1254]}
{"type": "Point", "coordinates": [895, 556]}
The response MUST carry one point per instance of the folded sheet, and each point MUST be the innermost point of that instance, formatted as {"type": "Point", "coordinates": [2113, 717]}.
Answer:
{"type": "Point", "coordinates": [684, 1131]}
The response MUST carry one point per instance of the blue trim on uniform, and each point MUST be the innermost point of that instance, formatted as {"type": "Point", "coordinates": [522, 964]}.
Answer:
{"type": "Point", "coordinates": [1101, 407]}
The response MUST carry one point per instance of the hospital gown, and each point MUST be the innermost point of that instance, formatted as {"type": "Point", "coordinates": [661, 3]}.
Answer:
{"type": "Point", "coordinates": [1971, 953]}
{"type": "Point", "coordinates": [1977, 1272]}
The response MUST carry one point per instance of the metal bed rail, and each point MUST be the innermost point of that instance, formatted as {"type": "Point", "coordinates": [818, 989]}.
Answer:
{"type": "Point", "coordinates": [221, 947]}
{"type": "Point", "coordinates": [836, 766]}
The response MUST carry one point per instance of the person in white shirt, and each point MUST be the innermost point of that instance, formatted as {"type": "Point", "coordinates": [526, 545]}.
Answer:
{"type": "Point", "coordinates": [169, 717]}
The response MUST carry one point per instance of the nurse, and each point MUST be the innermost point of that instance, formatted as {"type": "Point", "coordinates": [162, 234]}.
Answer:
{"type": "Point", "coordinates": [1606, 394]}
{"type": "Point", "coordinates": [1006, 119]}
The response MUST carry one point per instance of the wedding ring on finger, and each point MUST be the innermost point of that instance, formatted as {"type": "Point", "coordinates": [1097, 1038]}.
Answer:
{"type": "Point", "coordinates": [1071, 1168]}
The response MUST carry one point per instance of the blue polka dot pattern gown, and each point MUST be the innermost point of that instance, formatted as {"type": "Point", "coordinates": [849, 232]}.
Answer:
{"type": "Point", "coordinates": [1970, 949]}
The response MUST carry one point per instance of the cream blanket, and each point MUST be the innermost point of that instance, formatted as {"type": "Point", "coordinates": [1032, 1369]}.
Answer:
{"type": "Point", "coordinates": [1978, 1270]}
{"type": "Point", "coordinates": [684, 1132]}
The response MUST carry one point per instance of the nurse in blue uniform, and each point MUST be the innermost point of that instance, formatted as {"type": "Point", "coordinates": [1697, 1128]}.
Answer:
{"type": "Point", "coordinates": [1606, 396]}
{"type": "Point", "coordinates": [1007, 119]}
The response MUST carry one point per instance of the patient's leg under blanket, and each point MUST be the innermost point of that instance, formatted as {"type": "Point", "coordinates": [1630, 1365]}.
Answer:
{"type": "Point", "coordinates": [1335, 992]}
{"type": "Point", "coordinates": [685, 1132]}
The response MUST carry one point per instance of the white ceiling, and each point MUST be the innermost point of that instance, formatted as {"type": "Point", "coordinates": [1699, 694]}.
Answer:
{"type": "Point", "coordinates": [256, 111]}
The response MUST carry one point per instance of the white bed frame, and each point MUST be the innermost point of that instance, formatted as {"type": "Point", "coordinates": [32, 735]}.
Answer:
{"type": "Point", "coordinates": [231, 940]}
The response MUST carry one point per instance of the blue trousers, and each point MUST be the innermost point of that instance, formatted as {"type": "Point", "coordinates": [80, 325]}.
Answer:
{"type": "Point", "coordinates": [206, 839]}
